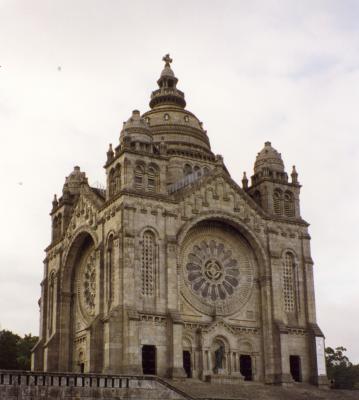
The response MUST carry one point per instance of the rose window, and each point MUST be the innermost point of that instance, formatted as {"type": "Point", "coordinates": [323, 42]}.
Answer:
{"type": "Point", "coordinates": [212, 271]}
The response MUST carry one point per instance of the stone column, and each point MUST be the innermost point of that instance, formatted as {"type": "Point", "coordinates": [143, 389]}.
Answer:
{"type": "Point", "coordinates": [131, 360]}
{"type": "Point", "coordinates": [112, 323]}
{"type": "Point", "coordinates": [131, 344]}
{"type": "Point", "coordinates": [172, 275]}
{"type": "Point", "coordinates": [209, 358]}
{"type": "Point", "coordinates": [285, 376]}
{"type": "Point", "coordinates": [65, 334]}
{"type": "Point", "coordinates": [206, 363]}
{"type": "Point", "coordinates": [176, 369]}
{"type": "Point", "coordinates": [228, 363]}
{"type": "Point", "coordinates": [254, 367]}
{"type": "Point", "coordinates": [194, 363]}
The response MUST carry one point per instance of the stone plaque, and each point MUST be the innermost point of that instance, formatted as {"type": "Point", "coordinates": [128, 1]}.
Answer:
{"type": "Point", "coordinates": [319, 343]}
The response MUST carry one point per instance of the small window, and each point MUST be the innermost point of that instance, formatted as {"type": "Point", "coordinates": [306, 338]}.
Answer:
{"type": "Point", "coordinates": [187, 170]}
{"type": "Point", "coordinates": [166, 117]}
{"type": "Point", "coordinates": [289, 204]}
{"type": "Point", "coordinates": [289, 283]}
{"type": "Point", "coordinates": [186, 118]}
{"type": "Point", "coordinates": [152, 179]}
{"type": "Point", "coordinates": [257, 198]}
{"type": "Point", "coordinates": [138, 177]}
{"type": "Point", "coordinates": [197, 171]}
{"type": "Point", "coordinates": [151, 185]}
{"type": "Point", "coordinates": [277, 202]}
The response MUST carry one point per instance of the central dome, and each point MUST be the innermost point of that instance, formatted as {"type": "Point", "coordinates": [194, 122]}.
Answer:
{"type": "Point", "coordinates": [170, 122]}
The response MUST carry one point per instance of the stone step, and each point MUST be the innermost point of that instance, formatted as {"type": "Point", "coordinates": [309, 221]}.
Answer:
{"type": "Point", "coordinates": [256, 391]}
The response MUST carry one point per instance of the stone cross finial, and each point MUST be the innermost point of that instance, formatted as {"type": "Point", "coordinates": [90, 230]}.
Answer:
{"type": "Point", "coordinates": [167, 59]}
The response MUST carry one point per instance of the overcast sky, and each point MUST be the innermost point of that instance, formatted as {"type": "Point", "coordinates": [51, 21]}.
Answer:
{"type": "Point", "coordinates": [284, 71]}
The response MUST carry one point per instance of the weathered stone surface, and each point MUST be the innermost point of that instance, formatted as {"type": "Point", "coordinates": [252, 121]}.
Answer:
{"type": "Point", "coordinates": [173, 262]}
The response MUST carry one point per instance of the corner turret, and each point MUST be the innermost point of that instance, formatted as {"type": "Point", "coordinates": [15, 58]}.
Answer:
{"type": "Point", "coordinates": [270, 187]}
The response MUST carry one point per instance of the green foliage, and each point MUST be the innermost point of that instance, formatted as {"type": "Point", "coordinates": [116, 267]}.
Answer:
{"type": "Point", "coordinates": [341, 371]}
{"type": "Point", "coordinates": [15, 352]}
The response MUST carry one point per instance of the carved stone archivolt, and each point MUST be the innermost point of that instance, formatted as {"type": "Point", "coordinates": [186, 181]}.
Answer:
{"type": "Point", "coordinates": [217, 269]}
{"type": "Point", "coordinates": [87, 284]}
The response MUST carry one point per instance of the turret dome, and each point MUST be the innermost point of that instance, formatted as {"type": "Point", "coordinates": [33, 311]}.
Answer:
{"type": "Point", "coordinates": [269, 158]}
{"type": "Point", "coordinates": [136, 128]}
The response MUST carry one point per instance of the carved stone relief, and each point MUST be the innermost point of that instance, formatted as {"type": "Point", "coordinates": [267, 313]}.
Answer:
{"type": "Point", "coordinates": [87, 284]}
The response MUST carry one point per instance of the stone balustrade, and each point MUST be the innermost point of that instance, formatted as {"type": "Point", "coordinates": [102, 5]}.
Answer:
{"type": "Point", "coordinates": [52, 385]}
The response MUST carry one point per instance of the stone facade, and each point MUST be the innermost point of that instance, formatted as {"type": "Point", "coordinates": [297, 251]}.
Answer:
{"type": "Point", "coordinates": [176, 270]}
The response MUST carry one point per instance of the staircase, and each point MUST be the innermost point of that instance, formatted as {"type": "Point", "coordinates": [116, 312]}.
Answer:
{"type": "Point", "coordinates": [257, 391]}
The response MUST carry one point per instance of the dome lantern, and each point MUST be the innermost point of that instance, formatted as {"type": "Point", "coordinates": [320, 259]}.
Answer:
{"type": "Point", "coordinates": [167, 94]}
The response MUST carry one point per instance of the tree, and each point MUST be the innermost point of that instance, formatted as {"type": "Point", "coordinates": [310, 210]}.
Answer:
{"type": "Point", "coordinates": [24, 351]}
{"type": "Point", "coordinates": [15, 352]}
{"type": "Point", "coordinates": [341, 371]}
{"type": "Point", "coordinates": [8, 349]}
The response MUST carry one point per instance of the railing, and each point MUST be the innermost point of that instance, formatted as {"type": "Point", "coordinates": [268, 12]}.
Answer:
{"type": "Point", "coordinates": [90, 380]}
{"type": "Point", "coordinates": [187, 180]}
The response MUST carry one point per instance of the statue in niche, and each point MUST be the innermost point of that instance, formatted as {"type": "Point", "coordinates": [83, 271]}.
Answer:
{"type": "Point", "coordinates": [218, 358]}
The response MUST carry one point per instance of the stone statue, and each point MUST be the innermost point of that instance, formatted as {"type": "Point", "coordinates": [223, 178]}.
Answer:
{"type": "Point", "coordinates": [218, 354]}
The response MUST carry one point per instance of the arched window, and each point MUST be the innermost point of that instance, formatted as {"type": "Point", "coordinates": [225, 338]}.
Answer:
{"type": "Point", "coordinates": [289, 278]}
{"type": "Point", "coordinates": [278, 202]}
{"type": "Point", "coordinates": [197, 170]}
{"type": "Point", "coordinates": [257, 197]}
{"type": "Point", "coordinates": [54, 229]}
{"type": "Point", "coordinates": [51, 303]}
{"type": "Point", "coordinates": [110, 272]}
{"type": "Point", "coordinates": [289, 204]}
{"type": "Point", "coordinates": [205, 170]}
{"type": "Point", "coordinates": [117, 179]}
{"type": "Point", "coordinates": [111, 183]}
{"type": "Point", "coordinates": [148, 263]}
{"type": "Point", "coordinates": [187, 170]}
{"type": "Point", "coordinates": [139, 177]}
{"type": "Point", "coordinates": [57, 227]}
{"type": "Point", "coordinates": [152, 179]}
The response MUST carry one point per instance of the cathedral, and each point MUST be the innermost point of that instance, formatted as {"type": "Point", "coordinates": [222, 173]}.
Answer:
{"type": "Point", "coordinates": [176, 270]}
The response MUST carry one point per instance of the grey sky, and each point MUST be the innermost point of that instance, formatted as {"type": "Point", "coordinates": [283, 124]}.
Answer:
{"type": "Point", "coordinates": [284, 71]}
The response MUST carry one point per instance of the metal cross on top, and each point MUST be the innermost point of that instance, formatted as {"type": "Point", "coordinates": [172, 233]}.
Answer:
{"type": "Point", "coordinates": [167, 59]}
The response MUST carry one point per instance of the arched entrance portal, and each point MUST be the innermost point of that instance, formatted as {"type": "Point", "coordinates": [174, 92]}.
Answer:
{"type": "Point", "coordinates": [149, 359]}
{"type": "Point", "coordinates": [246, 366]}
{"type": "Point", "coordinates": [79, 306]}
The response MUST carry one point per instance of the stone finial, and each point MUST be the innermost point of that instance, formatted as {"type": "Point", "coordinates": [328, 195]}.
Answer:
{"type": "Point", "coordinates": [110, 153]}
{"type": "Point", "coordinates": [294, 175]}
{"type": "Point", "coordinates": [219, 159]}
{"type": "Point", "coordinates": [245, 181]}
{"type": "Point", "coordinates": [167, 59]}
{"type": "Point", "coordinates": [55, 203]}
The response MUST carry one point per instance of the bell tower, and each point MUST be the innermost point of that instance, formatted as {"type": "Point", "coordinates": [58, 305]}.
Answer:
{"type": "Point", "coordinates": [270, 187]}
